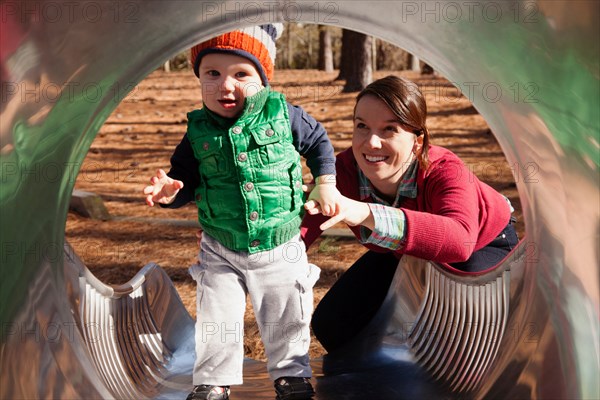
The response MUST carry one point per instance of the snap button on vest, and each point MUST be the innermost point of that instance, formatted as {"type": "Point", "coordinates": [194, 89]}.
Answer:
{"type": "Point", "coordinates": [255, 243]}
{"type": "Point", "coordinates": [269, 132]}
{"type": "Point", "coordinates": [249, 186]}
{"type": "Point", "coordinates": [242, 157]}
{"type": "Point", "coordinates": [198, 197]}
{"type": "Point", "coordinates": [253, 216]}
{"type": "Point", "coordinates": [237, 129]}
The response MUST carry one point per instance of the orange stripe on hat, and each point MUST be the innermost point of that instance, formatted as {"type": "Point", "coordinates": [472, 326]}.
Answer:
{"type": "Point", "coordinates": [255, 43]}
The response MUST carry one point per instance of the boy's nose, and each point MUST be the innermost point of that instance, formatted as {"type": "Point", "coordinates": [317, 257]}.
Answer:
{"type": "Point", "coordinates": [228, 84]}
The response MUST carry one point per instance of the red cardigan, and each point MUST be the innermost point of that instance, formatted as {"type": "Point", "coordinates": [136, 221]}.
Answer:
{"type": "Point", "coordinates": [453, 215]}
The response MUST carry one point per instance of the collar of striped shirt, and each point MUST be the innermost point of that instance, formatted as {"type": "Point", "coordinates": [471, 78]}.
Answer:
{"type": "Point", "coordinates": [407, 187]}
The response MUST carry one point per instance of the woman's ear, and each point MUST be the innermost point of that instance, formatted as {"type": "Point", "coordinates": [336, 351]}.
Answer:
{"type": "Point", "coordinates": [418, 145]}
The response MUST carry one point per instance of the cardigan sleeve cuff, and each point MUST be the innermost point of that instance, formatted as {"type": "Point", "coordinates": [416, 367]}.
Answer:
{"type": "Point", "coordinates": [389, 227]}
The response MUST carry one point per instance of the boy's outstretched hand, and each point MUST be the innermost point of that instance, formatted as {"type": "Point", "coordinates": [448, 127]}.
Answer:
{"type": "Point", "coordinates": [324, 197]}
{"type": "Point", "coordinates": [163, 189]}
{"type": "Point", "coordinates": [341, 209]}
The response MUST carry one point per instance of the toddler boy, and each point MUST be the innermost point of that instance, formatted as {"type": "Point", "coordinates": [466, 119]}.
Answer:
{"type": "Point", "coordinates": [240, 162]}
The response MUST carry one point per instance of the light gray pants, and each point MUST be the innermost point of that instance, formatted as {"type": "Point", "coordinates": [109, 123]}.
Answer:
{"type": "Point", "coordinates": [279, 283]}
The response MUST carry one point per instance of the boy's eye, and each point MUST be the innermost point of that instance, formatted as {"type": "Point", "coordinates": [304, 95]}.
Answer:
{"type": "Point", "coordinates": [241, 74]}
{"type": "Point", "coordinates": [212, 72]}
{"type": "Point", "coordinates": [360, 125]}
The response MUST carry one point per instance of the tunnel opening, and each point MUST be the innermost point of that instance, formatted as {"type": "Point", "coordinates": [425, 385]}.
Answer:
{"type": "Point", "coordinates": [126, 152]}
{"type": "Point", "coordinates": [528, 133]}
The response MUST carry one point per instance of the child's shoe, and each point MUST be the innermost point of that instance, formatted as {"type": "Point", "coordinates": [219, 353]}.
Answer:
{"type": "Point", "coordinates": [294, 388]}
{"type": "Point", "coordinates": [209, 392]}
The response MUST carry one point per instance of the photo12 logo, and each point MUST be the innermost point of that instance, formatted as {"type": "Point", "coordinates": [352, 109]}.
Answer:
{"type": "Point", "coordinates": [53, 92]}
{"type": "Point", "coordinates": [68, 172]}
{"type": "Point", "coordinates": [469, 11]}
{"type": "Point", "coordinates": [53, 12]}
{"type": "Point", "coordinates": [255, 12]}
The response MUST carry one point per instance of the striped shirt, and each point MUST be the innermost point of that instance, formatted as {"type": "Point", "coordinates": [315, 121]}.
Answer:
{"type": "Point", "coordinates": [390, 222]}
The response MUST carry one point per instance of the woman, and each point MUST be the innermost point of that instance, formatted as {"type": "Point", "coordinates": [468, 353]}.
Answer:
{"type": "Point", "coordinates": [402, 195]}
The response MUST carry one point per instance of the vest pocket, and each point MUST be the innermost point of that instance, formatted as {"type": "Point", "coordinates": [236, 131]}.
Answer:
{"type": "Point", "coordinates": [219, 204]}
{"type": "Point", "coordinates": [268, 139]}
{"type": "Point", "coordinates": [209, 152]}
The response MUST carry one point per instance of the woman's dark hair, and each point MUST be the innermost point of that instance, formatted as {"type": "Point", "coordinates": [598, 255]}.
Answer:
{"type": "Point", "coordinates": [407, 103]}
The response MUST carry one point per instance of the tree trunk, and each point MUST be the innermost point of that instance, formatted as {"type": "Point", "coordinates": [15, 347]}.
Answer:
{"type": "Point", "coordinates": [345, 60]}
{"type": "Point", "coordinates": [415, 65]}
{"type": "Point", "coordinates": [290, 53]}
{"type": "Point", "coordinates": [426, 69]}
{"type": "Point", "coordinates": [325, 50]}
{"type": "Point", "coordinates": [373, 54]}
{"type": "Point", "coordinates": [309, 51]}
{"type": "Point", "coordinates": [358, 70]}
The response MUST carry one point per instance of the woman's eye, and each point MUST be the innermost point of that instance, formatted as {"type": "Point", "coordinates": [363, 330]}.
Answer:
{"type": "Point", "coordinates": [360, 125]}
{"type": "Point", "coordinates": [212, 72]}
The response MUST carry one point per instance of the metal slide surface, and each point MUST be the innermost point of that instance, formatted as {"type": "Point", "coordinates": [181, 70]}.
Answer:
{"type": "Point", "coordinates": [528, 329]}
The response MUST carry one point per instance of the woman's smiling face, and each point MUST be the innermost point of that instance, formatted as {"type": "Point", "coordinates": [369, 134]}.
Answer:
{"type": "Point", "coordinates": [382, 147]}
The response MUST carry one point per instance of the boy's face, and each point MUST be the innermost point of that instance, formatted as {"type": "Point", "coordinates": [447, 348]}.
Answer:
{"type": "Point", "coordinates": [226, 80]}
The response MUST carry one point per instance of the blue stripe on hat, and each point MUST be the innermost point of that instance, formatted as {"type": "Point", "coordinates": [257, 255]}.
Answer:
{"type": "Point", "coordinates": [271, 30]}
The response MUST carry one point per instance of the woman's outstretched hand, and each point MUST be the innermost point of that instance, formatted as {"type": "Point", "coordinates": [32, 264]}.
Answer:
{"type": "Point", "coordinates": [163, 189]}
{"type": "Point", "coordinates": [350, 211]}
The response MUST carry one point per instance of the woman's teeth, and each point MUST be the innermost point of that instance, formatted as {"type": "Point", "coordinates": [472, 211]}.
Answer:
{"type": "Point", "coordinates": [375, 158]}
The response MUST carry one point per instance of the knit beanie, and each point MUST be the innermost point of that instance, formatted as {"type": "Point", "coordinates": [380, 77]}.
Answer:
{"type": "Point", "coordinates": [256, 43]}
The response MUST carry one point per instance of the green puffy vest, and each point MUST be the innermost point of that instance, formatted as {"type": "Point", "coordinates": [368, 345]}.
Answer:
{"type": "Point", "coordinates": [250, 194]}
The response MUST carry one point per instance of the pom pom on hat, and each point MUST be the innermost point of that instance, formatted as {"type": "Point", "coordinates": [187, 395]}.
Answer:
{"type": "Point", "coordinates": [256, 43]}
